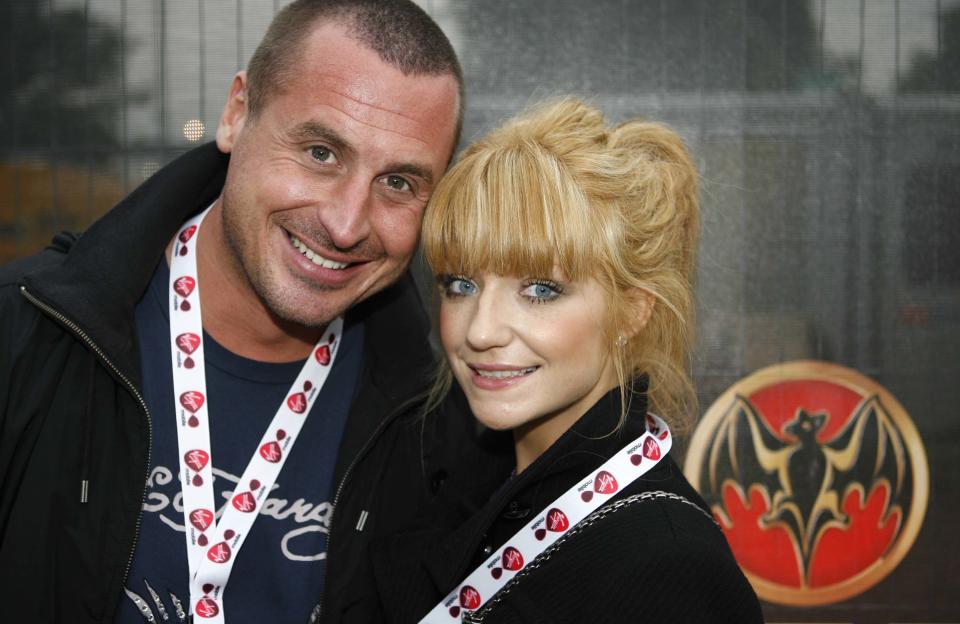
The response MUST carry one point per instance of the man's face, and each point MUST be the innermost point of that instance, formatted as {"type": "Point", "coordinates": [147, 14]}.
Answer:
{"type": "Point", "coordinates": [327, 185]}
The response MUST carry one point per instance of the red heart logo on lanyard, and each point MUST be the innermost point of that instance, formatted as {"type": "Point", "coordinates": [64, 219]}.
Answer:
{"type": "Point", "coordinates": [184, 285]}
{"type": "Point", "coordinates": [652, 425]}
{"type": "Point", "coordinates": [192, 401]}
{"type": "Point", "coordinates": [220, 553]}
{"type": "Point", "coordinates": [651, 450]}
{"type": "Point", "coordinates": [271, 452]}
{"type": "Point", "coordinates": [605, 483]}
{"type": "Point", "coordinates": [196, 459]}
{"type": "Point", "coordinates": [201, 518]}
{"type": "Point", "coordinates": [245, 502]}
{"type": "Point", "coordinates": [297, 402]}
{"type": "Point", "coordinates": [323, 355]}
{"type": "Point", "coordinates": [469, 597]}
{"type": "Point", "coordinates": [557, 521]}
{"type": "Point", "coordinates": [188, 233]}
{"type": "Point", "coordinates": [511, 559]}
{"type": "Point", "coordinates": [206, 608]}
{"type": "Point", "coordinates": [188, 342]}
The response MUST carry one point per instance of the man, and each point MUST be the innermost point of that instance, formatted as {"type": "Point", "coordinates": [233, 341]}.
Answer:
{"type": "Point", "coordinates": [326, 153]}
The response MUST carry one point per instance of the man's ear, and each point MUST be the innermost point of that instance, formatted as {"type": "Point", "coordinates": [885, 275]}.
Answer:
{"type": "Point", "coordinates": [234, 114]}
{"type": "Point", "coordinates": [642, 303]}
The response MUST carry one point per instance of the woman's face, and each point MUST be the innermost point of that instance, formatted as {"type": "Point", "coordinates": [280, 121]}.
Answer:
{"type": "Point", "coordinates": [530, 353]}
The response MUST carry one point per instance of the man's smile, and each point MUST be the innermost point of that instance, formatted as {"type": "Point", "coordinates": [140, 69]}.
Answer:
{"type": "Point", "coordinates": [314, 256]}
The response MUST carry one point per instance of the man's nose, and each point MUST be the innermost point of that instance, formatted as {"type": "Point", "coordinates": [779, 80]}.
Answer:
{"type": "Point", "coordinates": [489, 325]}
{"type": "Point", "coordinates": [346, 213]}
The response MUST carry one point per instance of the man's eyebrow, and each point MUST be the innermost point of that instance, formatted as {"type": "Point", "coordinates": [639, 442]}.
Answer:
{"type": "Point", "coordinates": [414, 169]}
{"type": "Point", "coordinates": [316, 131]}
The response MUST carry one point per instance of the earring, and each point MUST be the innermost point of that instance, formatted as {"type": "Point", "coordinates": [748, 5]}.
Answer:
{"type": "Point", "coordinates": [621, 340]}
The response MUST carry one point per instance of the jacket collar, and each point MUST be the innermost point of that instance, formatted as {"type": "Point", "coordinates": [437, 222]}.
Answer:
{"type": "Point", "coordinates": [99, 281]}
{"type": "Point", "coordinates": [593, 439]}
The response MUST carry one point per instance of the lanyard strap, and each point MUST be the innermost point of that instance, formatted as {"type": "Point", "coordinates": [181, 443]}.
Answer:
{"type": "Point", "coordinates": [213, 545]}
{"type": "Point", "coordinates": [574, 505]}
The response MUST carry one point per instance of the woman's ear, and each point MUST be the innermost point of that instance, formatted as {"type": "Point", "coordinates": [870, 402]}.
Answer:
{"type": "Point", "coordinates": [642, 303]}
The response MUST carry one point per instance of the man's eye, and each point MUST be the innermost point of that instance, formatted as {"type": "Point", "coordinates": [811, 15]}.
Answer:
{"type": "Point", "coordinates": [397, 183]}
{"type": "Point", "coordinates": [322, 154]}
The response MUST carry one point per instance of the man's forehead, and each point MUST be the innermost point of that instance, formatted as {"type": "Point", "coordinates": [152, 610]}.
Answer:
{"type": "Point", "coordinates": [416, 113]}
{"type": "Point", "coordinates": [336, 70]}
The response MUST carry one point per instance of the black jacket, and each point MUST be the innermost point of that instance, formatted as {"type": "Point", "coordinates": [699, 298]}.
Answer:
{"type": "Point", "coordinates": [73, 424]}
{"type": "Point", "coordinates": [651, 554]}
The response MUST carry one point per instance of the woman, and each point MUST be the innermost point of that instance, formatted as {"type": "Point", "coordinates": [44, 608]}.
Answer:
{"type": "Point", "coordinates": [564, 252]}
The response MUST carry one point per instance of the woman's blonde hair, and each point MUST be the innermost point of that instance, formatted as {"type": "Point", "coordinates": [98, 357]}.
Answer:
{"type": "Point", "coordinates": [557, 188]}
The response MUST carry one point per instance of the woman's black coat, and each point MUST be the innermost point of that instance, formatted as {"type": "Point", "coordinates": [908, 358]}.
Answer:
{"type": "Point", "coordinates": [653, 553]}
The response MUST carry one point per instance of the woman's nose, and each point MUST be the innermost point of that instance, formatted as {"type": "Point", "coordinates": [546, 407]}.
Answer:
{"type": "Point", "coordinates": [489, 327]}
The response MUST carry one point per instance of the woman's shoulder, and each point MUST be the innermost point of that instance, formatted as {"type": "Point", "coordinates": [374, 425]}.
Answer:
{"type": "Point", "coordinates": [655, 548]}
{"type": "Point", "coordinates": [660, 512]}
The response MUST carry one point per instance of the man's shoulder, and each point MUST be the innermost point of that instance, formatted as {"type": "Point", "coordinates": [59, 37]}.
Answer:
{"type": "Point", "coordinates": [52, 255]}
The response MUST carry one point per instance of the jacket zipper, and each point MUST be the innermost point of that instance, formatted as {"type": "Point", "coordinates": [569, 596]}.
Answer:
{"type": "Point", "coordinates": [75, 329]}
{"type": "Point", "coordinates": [336, 498]}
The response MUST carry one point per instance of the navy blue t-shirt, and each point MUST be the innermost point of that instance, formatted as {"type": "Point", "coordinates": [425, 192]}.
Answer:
{"type": "Point", "coordinates": [278, 575]}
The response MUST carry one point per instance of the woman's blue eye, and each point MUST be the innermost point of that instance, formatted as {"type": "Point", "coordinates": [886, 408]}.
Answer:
{"type": "Point", "coordinates": [542, 291]}
{"type": "Point", "coordinates": [459, 287]}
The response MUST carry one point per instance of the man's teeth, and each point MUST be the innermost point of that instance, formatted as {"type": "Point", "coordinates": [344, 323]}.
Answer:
{"type": "Point", "coordinates": [316, 258]}
{"type": "Point", "coordinates": [505, 374]}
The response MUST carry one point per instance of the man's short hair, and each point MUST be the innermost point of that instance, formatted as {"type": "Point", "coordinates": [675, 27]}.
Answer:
{"type": "Point", "coordinates": [399, 31]}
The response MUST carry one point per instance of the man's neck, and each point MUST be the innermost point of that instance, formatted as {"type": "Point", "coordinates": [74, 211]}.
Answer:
{"type": "Point", "coordinates": [233, 314]}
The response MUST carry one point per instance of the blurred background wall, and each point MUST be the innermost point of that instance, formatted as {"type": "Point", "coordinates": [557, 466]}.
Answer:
{"type": "Point", "coordinates": [826, 133]}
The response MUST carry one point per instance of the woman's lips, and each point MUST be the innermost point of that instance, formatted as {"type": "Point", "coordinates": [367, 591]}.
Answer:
{"type": "Point", "coordinates": [495, 377]}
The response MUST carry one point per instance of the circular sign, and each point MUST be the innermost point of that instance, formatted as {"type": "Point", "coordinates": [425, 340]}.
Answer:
{"type": "Point", "coordinates": [817, 477]}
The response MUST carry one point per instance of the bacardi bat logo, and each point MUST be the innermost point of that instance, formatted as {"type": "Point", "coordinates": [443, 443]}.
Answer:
{"type": "Point", "coordinates": [817, 477]}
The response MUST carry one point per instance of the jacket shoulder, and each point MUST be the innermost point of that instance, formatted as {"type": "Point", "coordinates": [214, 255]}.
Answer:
{"type": "Point", "coordinates": [52, 255]}
{"type": "Point", "coordinates": [656, 552]}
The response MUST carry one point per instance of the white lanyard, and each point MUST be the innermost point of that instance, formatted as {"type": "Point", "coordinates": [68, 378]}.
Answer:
{"type": "Point", "coordinates": [212, 547]}
{"type": "Point", "coordinates": [577, 503]}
